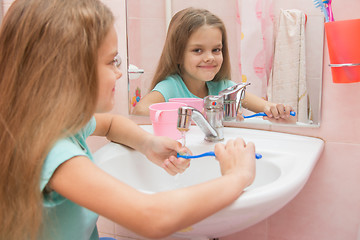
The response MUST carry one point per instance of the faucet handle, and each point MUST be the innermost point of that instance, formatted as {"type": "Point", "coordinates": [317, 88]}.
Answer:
{"type": "Point", "coordinates": [213, 102]}
{"type": "Point", "coordinates": [231, 93]}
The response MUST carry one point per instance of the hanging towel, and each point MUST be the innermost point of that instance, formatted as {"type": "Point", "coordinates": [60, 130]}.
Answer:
{"type": "Point", "coordinates": [287, 82]}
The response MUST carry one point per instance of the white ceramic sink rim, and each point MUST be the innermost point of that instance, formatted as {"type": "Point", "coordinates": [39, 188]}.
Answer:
{"type": "Point", "coordinates": [295, 157]}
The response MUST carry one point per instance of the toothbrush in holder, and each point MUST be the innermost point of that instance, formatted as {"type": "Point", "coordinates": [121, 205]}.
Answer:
{"type": "Point", "coordinates": [262, 114]}
{"type": "Point", "coordinates": [324, 6]}
{"type": "Point", "coordinates": [207, 154]}
{"type": "Point", "coordinates": [329, 9]}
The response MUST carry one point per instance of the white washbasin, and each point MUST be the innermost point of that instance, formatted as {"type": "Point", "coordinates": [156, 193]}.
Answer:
{"type": "Point", "coordinates": [287, 162]}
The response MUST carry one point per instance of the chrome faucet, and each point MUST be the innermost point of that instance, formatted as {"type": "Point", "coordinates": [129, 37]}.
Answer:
{"type": "Point", "coordinates": [224, 106]}
{"type": "Point", "coordinates": [232, 100]}
{"type": "Point", "coordinates": [211, 124]}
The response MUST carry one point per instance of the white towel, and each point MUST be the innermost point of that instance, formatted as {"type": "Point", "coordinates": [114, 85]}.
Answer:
{"type": "Point", "coordinates": [287, 83]}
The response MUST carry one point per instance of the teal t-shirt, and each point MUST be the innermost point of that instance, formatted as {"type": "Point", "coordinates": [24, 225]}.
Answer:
{"type": "Point", "coordinates": [64, 219]}
{"type": "Point", "coordinates": [174, 87]}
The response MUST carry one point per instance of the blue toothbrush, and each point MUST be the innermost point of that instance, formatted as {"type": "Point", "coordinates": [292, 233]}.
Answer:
{"type": "Point", "coordinates": [292, 113]}
{"type": "Point", "coordinates": [211, 153]}
{"type": "Point", "coordinates": [320, 4]}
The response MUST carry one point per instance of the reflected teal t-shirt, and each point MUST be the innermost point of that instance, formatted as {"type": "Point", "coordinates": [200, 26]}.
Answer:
{"type": "Point", "coordinates": [64, 219]}
{"type": "Point", "coordinates": [174, 87]}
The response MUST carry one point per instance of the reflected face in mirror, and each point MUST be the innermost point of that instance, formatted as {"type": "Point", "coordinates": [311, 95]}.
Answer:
{"type": "Point", "coordinates": [194, 62]}
{"type": "Point", "coordinates": [203, 56]}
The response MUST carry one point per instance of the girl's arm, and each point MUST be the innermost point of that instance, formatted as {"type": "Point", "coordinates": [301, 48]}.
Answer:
{"type": "Point", "coordinates": [254, 103]}
{"type": "Point", "coordinates": [275, 112]}
{"type": "Point", "coordinates": [160, 150]}
{"type": "Point", "coordinates": [142, 107]}
{"type": "Point", "coordinates": [120, 129]}
{"type": "Point", "coordinates": [159, 214]}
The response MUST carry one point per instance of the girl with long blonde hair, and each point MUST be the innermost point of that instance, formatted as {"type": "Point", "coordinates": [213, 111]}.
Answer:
{"type": "Point", "coordinates": [58, 68]}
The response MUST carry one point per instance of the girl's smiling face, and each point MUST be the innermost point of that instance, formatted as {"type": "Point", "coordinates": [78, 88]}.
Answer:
{"type": "Point", "coordinates": [108, 70]}
{"type": "Point", "coordinates": [203, 54]}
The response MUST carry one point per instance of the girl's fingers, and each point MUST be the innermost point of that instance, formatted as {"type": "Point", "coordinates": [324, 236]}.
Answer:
{"type": "Point", "coordinates": [219, 150]}
{"type": "Point", "coordinates": [180, 163]}
{"type": "Point", "coordinates": [281, 110]}
{"type": "Point", "coordinates": [167, 165]}
{"type": "Point", "coordinates": [175, 165]}
{"type": "Point", "coordinates": [184, 150]}
{"type": "Point", "coordinates": [240, 143]}
{"type": "Point", "coordinates": [288, 109]}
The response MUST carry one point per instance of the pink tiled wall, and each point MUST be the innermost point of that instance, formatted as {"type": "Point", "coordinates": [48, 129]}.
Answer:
{"type": "Point", "coordinates": [329, 205]}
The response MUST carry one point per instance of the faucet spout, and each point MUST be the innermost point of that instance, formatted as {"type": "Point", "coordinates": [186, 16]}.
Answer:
{"type": "Point", "coordinates": [186, 114]}
{"type": "Point", "coordinates": [211, 124]}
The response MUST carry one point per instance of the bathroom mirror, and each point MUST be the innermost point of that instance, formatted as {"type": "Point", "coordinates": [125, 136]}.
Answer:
{"type": "Point", "coordinates": [147, 22]}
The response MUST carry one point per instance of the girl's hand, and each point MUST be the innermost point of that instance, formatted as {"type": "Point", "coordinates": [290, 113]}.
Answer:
{"type": "Point", "coordinates": [239, 116]}
{"type": "Point", "coordinates": [279, 113]}
{"type": "Point", "coordinates": [163, 150]}
{"type": "Point", "coordinates": [237, 157]}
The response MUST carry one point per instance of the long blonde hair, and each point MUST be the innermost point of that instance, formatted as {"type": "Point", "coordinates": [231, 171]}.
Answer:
{"type": "Point", "coordinates": [182, 25]}
{"type": "Point", "coordinates": [48, 90]}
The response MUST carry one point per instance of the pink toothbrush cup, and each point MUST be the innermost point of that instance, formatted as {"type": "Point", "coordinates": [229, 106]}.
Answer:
{"type": "Point", "coordinates": [197, 103]}
{"type": "Point", "coordinates": [164, 119]}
